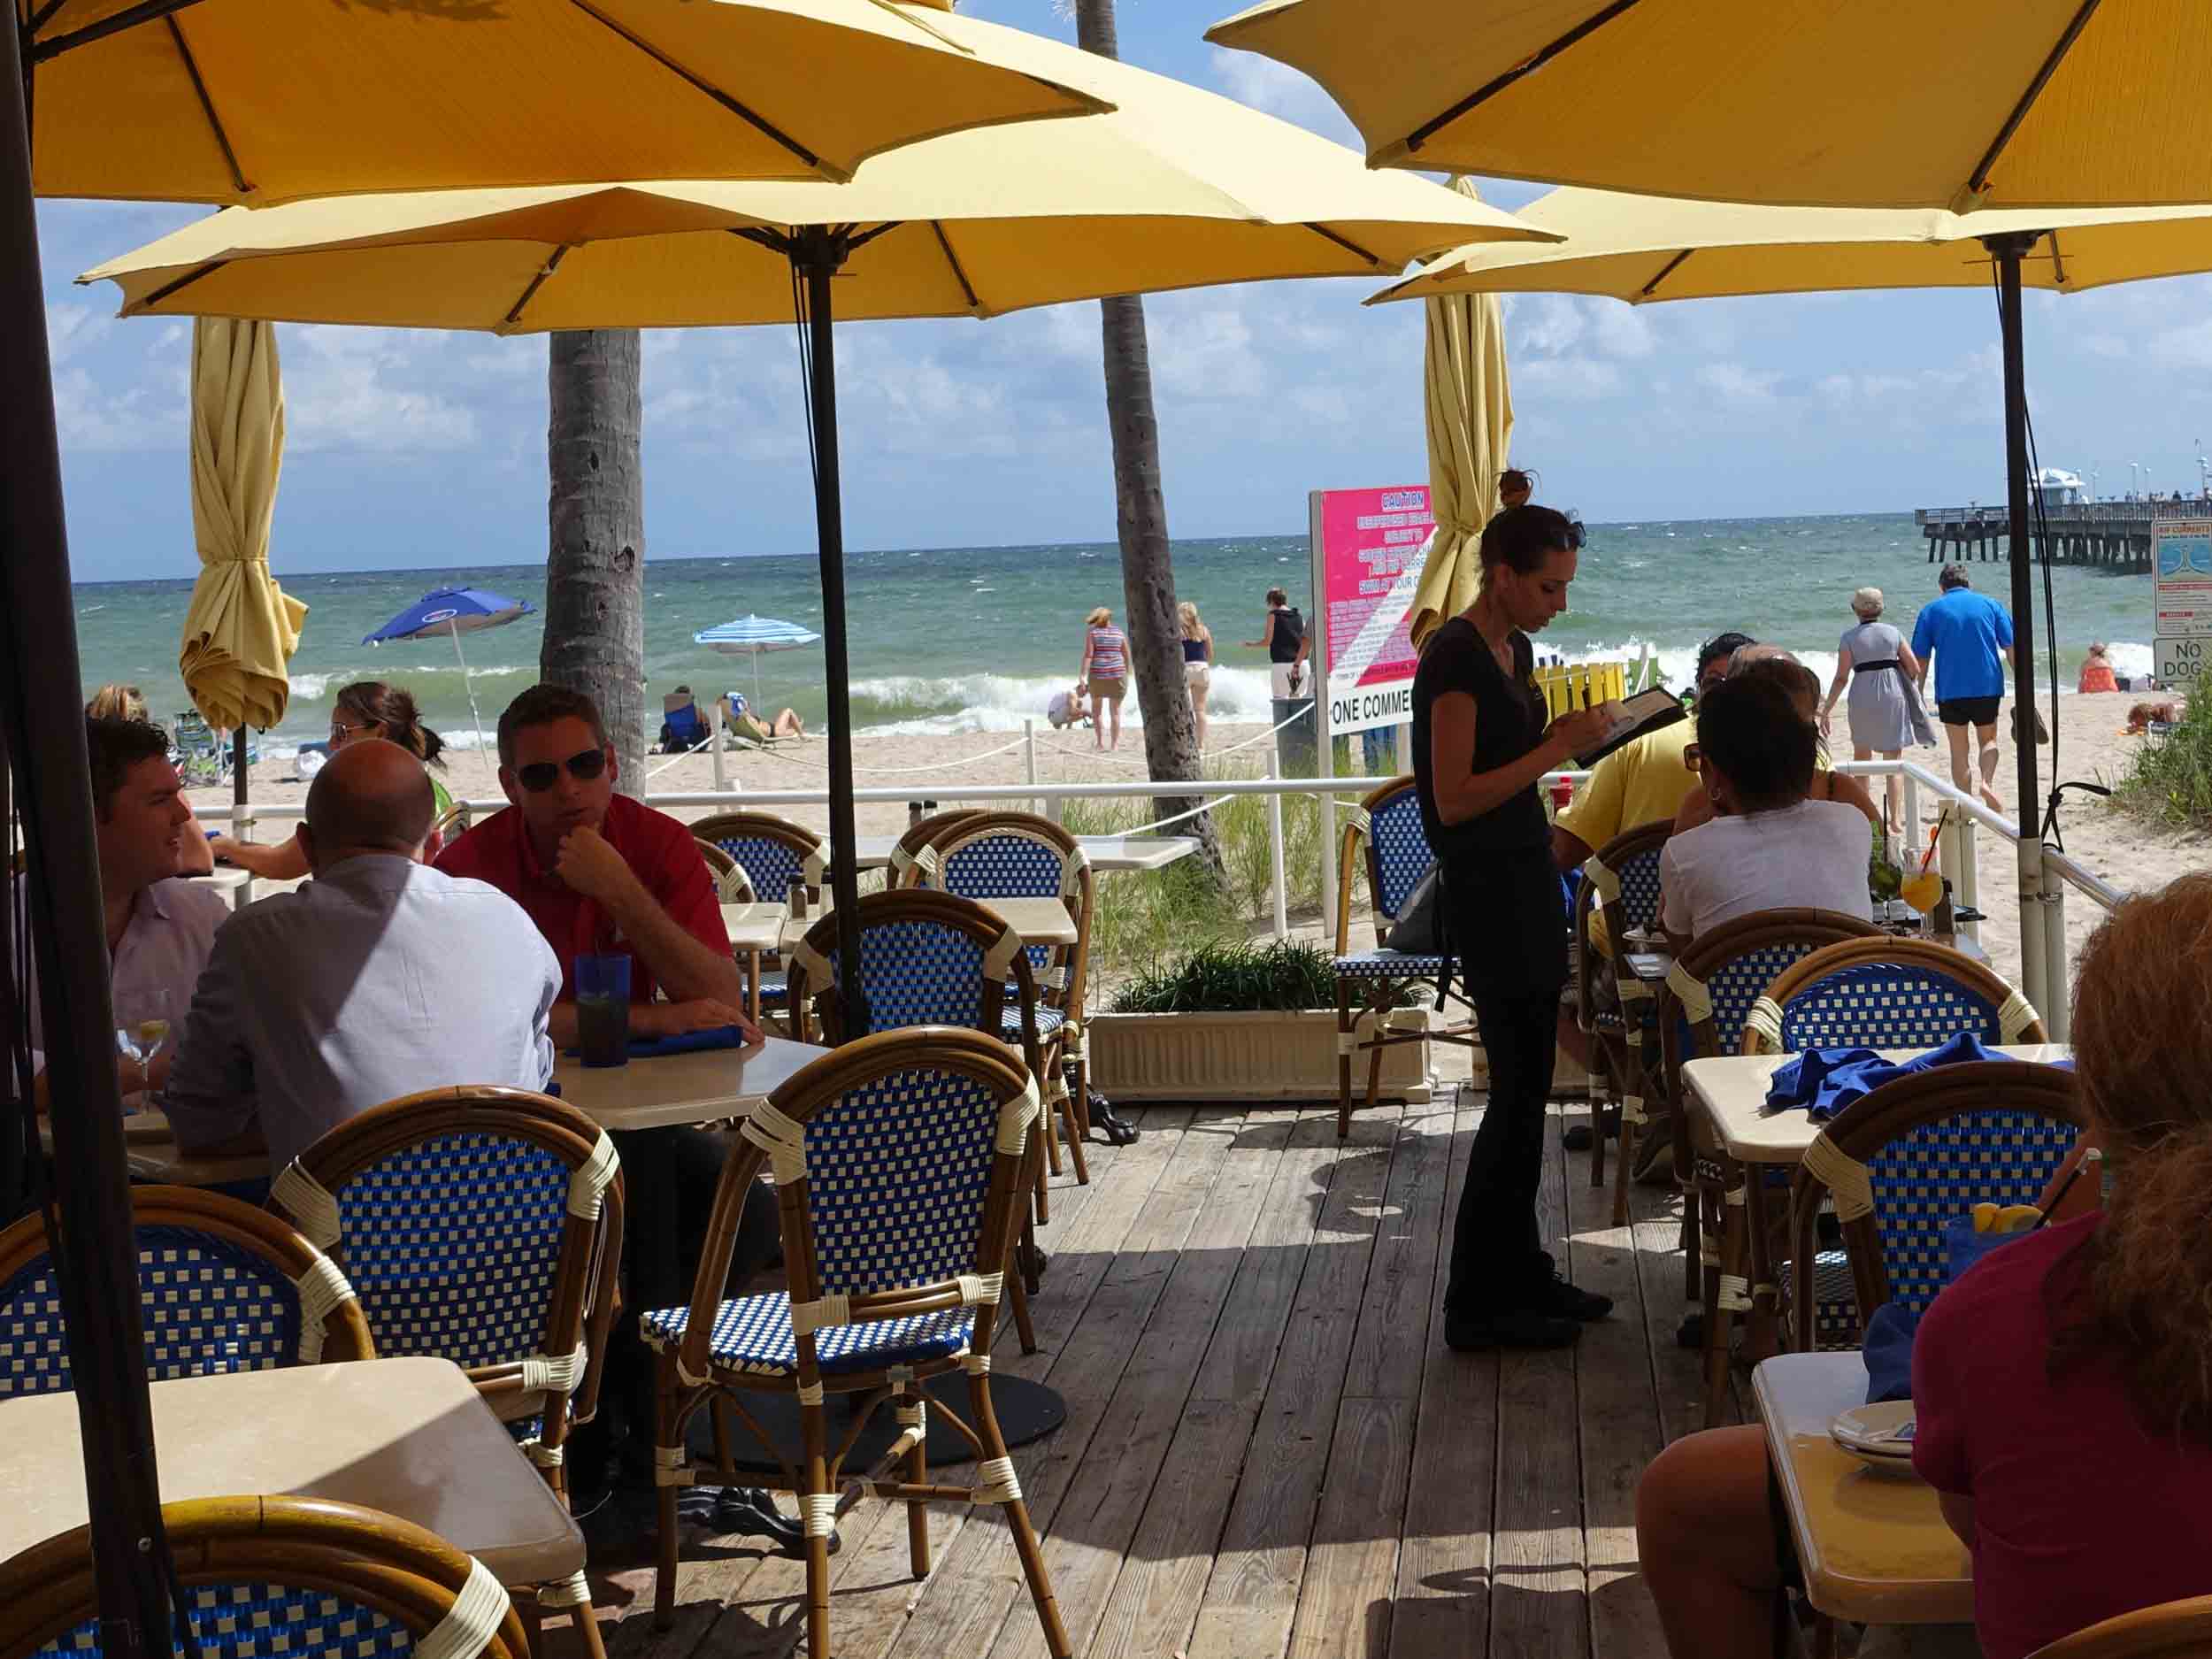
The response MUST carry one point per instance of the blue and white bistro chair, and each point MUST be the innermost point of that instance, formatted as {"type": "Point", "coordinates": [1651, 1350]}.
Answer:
{"type": "Point", "coordinates": [1019, 856]}
{"type": "Point", "coordinates": [1703, 1007]}
{"type": "Point", "coordinates": [899, 1161]}
{"type": "Point", "coordinates": [770, 853]}
{"type": "Point", "coordinates": [1371, 984]}
{"type": "Point", "coordinates": [1905, 1162]}
{"type": "Point", "coordinates": [301, 1578]}
{"type": "Point", "coordinates": [483, 1225]}
{"type": "Point", "coordinates": [222, 1288]}
{"type": "Point", "coordinates": [1618, 1011]}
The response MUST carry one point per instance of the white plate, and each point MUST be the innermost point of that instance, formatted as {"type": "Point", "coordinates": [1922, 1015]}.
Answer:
{"type": "Point", "coordinates": [1879, 1436]}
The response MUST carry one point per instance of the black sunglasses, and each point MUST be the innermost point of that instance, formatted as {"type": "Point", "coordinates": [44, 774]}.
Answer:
{"type": "Point", "coordinates": [541, 775]}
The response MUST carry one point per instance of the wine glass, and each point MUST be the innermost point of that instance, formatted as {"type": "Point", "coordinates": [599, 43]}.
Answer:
{"type": "Point", "coordinates": [143, 1026]}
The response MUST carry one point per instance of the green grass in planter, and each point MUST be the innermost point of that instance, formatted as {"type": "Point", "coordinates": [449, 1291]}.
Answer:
{"type": "Point", "coordinates": [1224, 978]}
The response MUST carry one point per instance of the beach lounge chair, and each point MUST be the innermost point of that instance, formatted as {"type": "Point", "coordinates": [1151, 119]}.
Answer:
{"type": "Point", "coordinates": [1914, 1155]}
{"type": "Point", "coordinates": [683, 727]}
{"type": "Point", "coordinates": [899, 1161]}
{"type": "Point", "coordinates": [307, 1578]}
{"type": "Point", "coordinates": [1372, 983]}
{"type": "Point", "coordinates": [1709, 995]}
{"type": "Point", "coordinates": [483, 1225]}
{"type": "Point", "coordinates": [1620, 882]}
{"type": "Point", "coordinates": [200, 755]}
{"type": "Point", "coordinates": [222, 1288]}
{"type": "Point", "coordinates": [1019, 856]}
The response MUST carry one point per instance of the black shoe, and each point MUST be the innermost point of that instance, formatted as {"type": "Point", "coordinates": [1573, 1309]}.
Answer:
{"type": "Point", "coordinates": [1563, 1301]}
{"type": "Point", "coordinates": [1576, 1137]}
{"type": "Point", "coordinates": [1691, 1332]}
{"type": "Point", "coordinates": [1510, 1328]}
{"type": "Point", "coordinates": [1118, 1131]}
{"type": "Point", "coordinates": [752, 1511]}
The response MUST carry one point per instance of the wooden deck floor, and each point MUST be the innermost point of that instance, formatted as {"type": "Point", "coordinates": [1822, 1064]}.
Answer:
{"type": "Point", "coordinates": [1269, 1450]}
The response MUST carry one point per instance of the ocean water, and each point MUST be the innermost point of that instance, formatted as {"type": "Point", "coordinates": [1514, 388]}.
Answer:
{"type": "Point", "coordinates": [975, 639]}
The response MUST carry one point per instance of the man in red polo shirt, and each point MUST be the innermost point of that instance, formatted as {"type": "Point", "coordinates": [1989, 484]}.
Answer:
{"type": "Point", "coordinates": [599, 872]}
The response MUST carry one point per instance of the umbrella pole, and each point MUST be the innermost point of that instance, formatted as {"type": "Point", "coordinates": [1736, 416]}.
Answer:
{"type": "Point", "coordinates": [40, 693]}
{"type": "Point", "coordinates": [2008, 249]}
{"type": "Point", "coordinates": [468, 684]}
{"type": "Point", "coordinates": [817, 252]}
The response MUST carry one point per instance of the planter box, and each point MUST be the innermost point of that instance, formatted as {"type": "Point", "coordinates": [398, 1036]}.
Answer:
{"type": "Point", "coordinates": [1246, 1056]}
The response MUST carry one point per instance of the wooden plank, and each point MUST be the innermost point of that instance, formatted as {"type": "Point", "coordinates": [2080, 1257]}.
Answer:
{"type": "Point", "coordinates": [1107, 1495]}
{"type": "Point", "coordinates": [1537, 1588]}
{"type": "Point", "coordinates": [1444, 1561]}
{"type": "Point", "coordinates": [1155, 1600]}
{"type": "Point", "coordinates": [976, 1584]}
{"type": "Point", "coordinates": [1344, 1601]}
{"type": "Point", "coordinates": [1252, 1598]}
{"type": "Point", "coordinates": [1393, 1317]}
{"type": "Point", "coordinates": [1678, 1373]}
{"type": "Point", "coordinates": [1616, 1401]}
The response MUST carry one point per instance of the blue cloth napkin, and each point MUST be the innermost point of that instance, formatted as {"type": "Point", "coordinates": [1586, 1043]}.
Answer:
{"type": "Point", "coordinates": [1886, 1343]}
{"type": "Point", "coordinates": [689, 1042]}
{"type": "Point", "coordinates": [1824, 1081]}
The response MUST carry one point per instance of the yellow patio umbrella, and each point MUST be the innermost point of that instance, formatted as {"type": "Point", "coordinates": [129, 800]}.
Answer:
{"type": "Point", "coordinates": [1954, 103]}
{"type": "Point", "coordinates": [265, 101]}
{"type": "Point", "coordinates": [1471, 430]}
{"type": "Point", "coordinates": [242, 628]}
{"type": "Point", "coordinates": [1173, 188]}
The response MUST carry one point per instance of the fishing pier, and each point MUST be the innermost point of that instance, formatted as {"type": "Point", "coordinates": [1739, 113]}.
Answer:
{"type": "Point", "coordinates": [2113, 535]}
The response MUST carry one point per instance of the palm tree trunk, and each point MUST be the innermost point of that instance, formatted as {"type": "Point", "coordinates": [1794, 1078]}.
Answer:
{"type": "Point", "coordinates": [594, 567]}
{"type": "Point", "coordinates": [1148, 570]}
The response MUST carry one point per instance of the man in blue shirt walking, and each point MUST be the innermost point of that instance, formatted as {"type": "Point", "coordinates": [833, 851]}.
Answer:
{"type": "Point", "coordinates": [1970, 638]}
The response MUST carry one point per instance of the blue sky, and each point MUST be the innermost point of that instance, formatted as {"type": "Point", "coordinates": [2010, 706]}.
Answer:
{"type": "Point", "coordinates": [421, 448]}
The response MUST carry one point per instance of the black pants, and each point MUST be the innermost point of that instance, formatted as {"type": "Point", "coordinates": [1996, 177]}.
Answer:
{"type": "Point", "coordinates": [1497, 1254]}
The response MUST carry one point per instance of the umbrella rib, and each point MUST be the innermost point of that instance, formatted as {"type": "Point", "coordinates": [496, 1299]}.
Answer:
{"type": "Point", "coordinates": [761, 123]}
{"type": "Point", "coordinates": [959, 272]}
{"type": "Point", "coordinates": [537, 281]}
{"type": "Point", "coordinates": [41, 16]}
{"type": "Point", "coordinates": [2058, 260]}
{"type": "Point", "coordinates": [775, 241]}
{"type": "Point", "coordinates": [1348, 246]}
{"type": "Point", "coordinates": [1666, 271]}
{"type": "Point", "coordinates": [130, 18]}
{"type": "Point", "coordinates": [1978, 182]}
{"type": "Point", "coordinates": [207, 106]}
{"type": "Point", "coordinates": [1482, 94]}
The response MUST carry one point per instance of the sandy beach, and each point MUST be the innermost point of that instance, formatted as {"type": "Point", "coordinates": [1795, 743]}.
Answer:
{"type": "Point", "coordinates": [2092, 748]}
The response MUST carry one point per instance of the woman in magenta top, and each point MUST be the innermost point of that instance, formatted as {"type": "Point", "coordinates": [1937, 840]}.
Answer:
{"type": "Point", "coordinates": [2063, 1389]}
{"type": "Point", "coordinates": [1106, 671]}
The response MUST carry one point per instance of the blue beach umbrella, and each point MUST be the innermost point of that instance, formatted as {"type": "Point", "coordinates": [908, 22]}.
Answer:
{"type": "Point", "coordinates": [455, 611]}
{"type": "Point", "coordinates": [750, 635]}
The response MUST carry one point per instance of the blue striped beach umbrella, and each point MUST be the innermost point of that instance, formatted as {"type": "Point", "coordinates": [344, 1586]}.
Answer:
{"type": "Point", "coordinates": [750, 635]}
{"type": "Point", "coordinates": [456, 611]}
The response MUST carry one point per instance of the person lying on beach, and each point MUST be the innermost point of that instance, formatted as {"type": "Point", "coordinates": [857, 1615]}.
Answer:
{"type": "Point", "coordinates": [1769, 844]}
{"type": "Point", "coordinates": [114, 702]}
{"type": "Point", "coordinates": [1802, 686]}
{"type": "Point", "coordinates": [737, 714]}
{"type": "Point", "coordinates": [160, 927]}
{"type": "Point", "coordinates": [367, 708]}
{"type": "Point", "coordinates": [2062, 1389]}
{"type": "Point", "coordinates": [1068, 708]}
{"type": "Point", "coordinates": [379, 978]}
{"type": "Point", "coordinates": [2141, 716]}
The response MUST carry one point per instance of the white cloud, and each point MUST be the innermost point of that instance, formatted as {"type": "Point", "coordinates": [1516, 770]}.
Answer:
{"type": "Point", "coordinates": [1739, 385]}
{"type": "Point", "coordinates": [364, 388]}
{"type": "Point", "coordinates": [1573, 377]}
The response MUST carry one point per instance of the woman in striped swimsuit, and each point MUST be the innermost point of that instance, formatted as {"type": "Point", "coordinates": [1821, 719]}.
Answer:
{"type": "Point", "coordinates": [1106, 671]}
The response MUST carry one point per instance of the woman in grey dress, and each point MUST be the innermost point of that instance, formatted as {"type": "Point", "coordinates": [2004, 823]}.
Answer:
{"type": "Point", "coordinates": [1873, 659]}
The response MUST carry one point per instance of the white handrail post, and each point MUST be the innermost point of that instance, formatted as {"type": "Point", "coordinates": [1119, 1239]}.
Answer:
{"type": "Point", "coordinates": [1912, 815]}
{"type": "Point", "coordinates": [714, 743]}
{"type": "Point", "coordinates": [242, 823]}
{"type": "Point", "coordinates": [1029, 757]}
{"type": "Point", "coordinates": [1968, 888]}
{"type": "Point", "coordinates": [2058, 1007]}
{"type": "Point", "coordinates": [1275, 849]}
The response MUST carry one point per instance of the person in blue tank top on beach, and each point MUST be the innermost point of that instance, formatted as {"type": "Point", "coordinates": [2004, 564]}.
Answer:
{"type": "Point", "coordinates": [1970, 639]}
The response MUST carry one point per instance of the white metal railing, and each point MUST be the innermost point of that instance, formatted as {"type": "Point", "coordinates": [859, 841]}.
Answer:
{"type": "Point", "coordinates": [2043, 970]}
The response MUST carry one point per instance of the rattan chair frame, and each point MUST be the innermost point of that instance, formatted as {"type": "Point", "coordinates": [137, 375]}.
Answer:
{"type": "Point", "coordinates": [987, 1061]}
{"type": "Point", "coordinates": [766, 827]}
{"type": "Point", "coordinates": [255, 1231]}
{"type": "Point", "coordinates": [732, 885]}
{"type": "Point", "coordinates": [1629, 1057]}
{"type": "Point", "coordinates": [2174, 1630]}
{"type": "Point", "coordinates": [1716, 1220]}
{"type": "Point", "coordinates": [379, 1561]}
{"type": "Point", "coordinates": [1068, 988]}
{"type": "Point", "coordinates": [1895, 1110]}
{"type": "Point", "coordinates": [1381, 993]}
{"type": "Point", "coordinates": [1890, 948]}
{"type": "Point", "coordinates": [924, 832]}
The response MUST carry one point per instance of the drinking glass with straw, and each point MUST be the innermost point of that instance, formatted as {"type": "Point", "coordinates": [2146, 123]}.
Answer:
{"type": "Point", "coordinates": [1923, 889]}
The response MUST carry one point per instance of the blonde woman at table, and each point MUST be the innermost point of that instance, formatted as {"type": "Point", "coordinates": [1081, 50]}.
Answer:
{"type": "Point", "coordinates": [2062, 1389]}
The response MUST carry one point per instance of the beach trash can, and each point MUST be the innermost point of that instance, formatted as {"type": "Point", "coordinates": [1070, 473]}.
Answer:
{"type": "Point", "coordinates": [1297, 744]}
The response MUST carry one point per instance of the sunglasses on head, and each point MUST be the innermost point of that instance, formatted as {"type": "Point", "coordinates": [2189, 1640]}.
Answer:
{"type": "Point", "coordinates": [541, 775]}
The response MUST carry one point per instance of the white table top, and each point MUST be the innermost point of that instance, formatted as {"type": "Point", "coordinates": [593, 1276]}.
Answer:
{"type": "Point", "coordinates": [410, 1437]}
{"type": "Point", "coordinates": [152, 1154]}
{"type": "Point", "coordinates": [756, 926]}
{"type": "Point", "coordinates": [1730, 1090]}
{"type": "Point", "coordinates": [682, 1089]}
{"type": "Point", "coordinates": [233, 883]}
{"type": "Point", "coordinates": [1875, 1548]}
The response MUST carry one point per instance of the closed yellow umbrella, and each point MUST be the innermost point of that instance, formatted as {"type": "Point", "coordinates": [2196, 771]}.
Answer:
{"type": "Point", "coordinates": [242, 628]}
{"type": "Point", "coordinates": [266, 101]}
{"type": "Point", "coordinates": [1949, 103]}
{"type": "Point", "coordinates": [1471, 429]}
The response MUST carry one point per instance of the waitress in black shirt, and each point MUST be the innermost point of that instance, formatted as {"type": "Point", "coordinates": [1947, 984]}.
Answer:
{"type": "Point", "coordinates": [1480, 744]}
